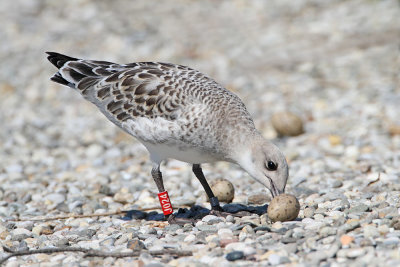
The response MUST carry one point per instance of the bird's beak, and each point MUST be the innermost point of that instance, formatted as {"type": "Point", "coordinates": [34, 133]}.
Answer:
{"type": "Point", "coordinates": [274, 190]}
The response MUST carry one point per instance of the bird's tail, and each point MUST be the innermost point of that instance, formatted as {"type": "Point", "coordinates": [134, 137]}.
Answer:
{"type": "Point", "coordinates": [59, 60]}
{"type": "Point", "coordinates": [78, 73]}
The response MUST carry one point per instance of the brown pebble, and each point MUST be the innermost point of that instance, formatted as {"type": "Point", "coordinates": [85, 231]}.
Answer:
{"type": "Point", "coordinates": [287, 123]}
{"type": "Point", "coordinates": [346, 240]}
{"type": "Point", "coordinates": [258, 199]}
{"type": "Point", "coordinates": [4, 234]}
{"type": "Point", "coordinates": [224, 242]}
{"type": "Point", "coordinates": [47, 231]}
{"type": "Point", "coordinates": [135, 244]}
{"type": "Point", "coordinates": [394, 129]}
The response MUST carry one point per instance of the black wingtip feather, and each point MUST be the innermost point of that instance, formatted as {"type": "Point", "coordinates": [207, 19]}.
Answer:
{"type": "Point", "coordinates": [59, 79]}
{"type": "Point", "coordinates": [58, 59]}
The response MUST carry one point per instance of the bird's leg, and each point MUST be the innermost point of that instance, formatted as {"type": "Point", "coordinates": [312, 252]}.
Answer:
{"type": "Point", "coordinates": [215, 207]}
{"type": "Point", "coordinates": [164, 199]}
{"type": "Point", "coordinates": [157, 176]}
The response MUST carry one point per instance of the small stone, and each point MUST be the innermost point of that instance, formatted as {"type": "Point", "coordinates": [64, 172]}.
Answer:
{"type": "Point", "coordinates": [248, 230]}
{"type": "Point", "coordinates": [63, 207]}
{"type": "Point", "coordinates": [55, 198]}
{"type": "Point", "coordinates": [208, 228]}
{"type": "Point", "coordinates": [249, 251]}
{"type": "Point", "coordinates": [234, 255]}
{"type": "Point", "coordinates": [264, 219]}
{"type": "Point", "coordinates": [109, 242]}
{"type": "Point", "coordinates": [211, 219]}
{"type": "Point", "coordinates": [349, 225]}
{"type": "Point", "coordinates": [335, 140]}
{"type": "Point", "coordinates": [365, 242]}
{"type": "Point", "coordinates": [327, 231]}
{"type": "Point", "coordinates": [383, 229]}
{"type": "Point", "coordinates": [4, 234]}
{"type": "Point", "coordinates": [230, 218]}
{"type": "Point", "coordinates": [391, 242]}
{"type": "Point", "coordinates": [370, 231]}
{"type": "Point", "coordinates": [224, 242]}
{"type": "Point", "coordinates": [328, 240]}
{"type": "Point", "coordinates": [337, 184]}
{"type": "Point", "coordinates": [287, 123]}
{"type": "Point", "coordinates": [63, 242]}
{"type": "Point", "coordinates": [225, 233]}
{"type": "Point", "coordinates": [258, 199]}
{"type": "Point", "coordinates": [395, 223]}
{"type": "Point", "coordinates": [106, 190]}
{"type": "Point", "coordinates": [122, 240]}
{"type": "Point", "coordinates": [277, 225]}
{"type": "Point", "coordinates": [47, 231]}
{"type": "Point", "coordinates": [355, 253]}
{"type": "Point", "coordinates": [21, 231]}
{"type": "Point", "coordinates": [135, 244]}
{"type": "Point", "coordinates": [87, 232]}
{"type": "Point", "coordinates": [213, 244]}
{"type": "Point", "coordinates": [19, 237]}
{"type": "Point", "coordinates": [346, 240]}
{"type": "Point", "coordinates": [210, 238]}
{"type": "Point", "coordinates": [394, 129]}
{"type": "Point", "coordinates": [190, 238]}
{"type": "Point", "coordinates": [275, 259]}
{"type": "Point", "coordinates": [358, 208]}
{"type": "Point", "coordinates": [350, 253]}
{"type": "Point", "coordinates": [123, 196]}
{"type": "Point", "coordinates": [223, 189]}
{"type": "Point", "coordinates": [308, 212]}
{"type": "Point", "coordinates": [236, 246]}
{"type": "Point", "coordinates": [23, 246]}
{"type": "Point", "coordinates": [283, 208]}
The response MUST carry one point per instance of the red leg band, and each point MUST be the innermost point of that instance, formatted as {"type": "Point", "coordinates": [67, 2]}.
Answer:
{"type": "Point", "coordinates": [165, 203]}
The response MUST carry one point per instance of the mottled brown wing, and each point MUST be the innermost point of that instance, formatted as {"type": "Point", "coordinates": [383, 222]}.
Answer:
{"type": "Point", "coordinates": [124, 92]}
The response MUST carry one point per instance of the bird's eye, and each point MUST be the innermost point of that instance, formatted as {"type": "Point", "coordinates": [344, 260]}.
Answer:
{"type": "Point", "coordinates": [271, 166]}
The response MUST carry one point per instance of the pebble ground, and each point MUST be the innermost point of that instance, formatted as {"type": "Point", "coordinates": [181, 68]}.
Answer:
{"type": "Point", "coordinates": [336, 64]}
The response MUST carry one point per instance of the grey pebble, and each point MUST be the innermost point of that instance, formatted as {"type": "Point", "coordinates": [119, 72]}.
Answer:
{"type": "Point", "coordinates": [19, 237]}
{"type": "Point", "coordinates": [63, 242]}
{"type": "Point", "coordinates": [63, 207]}
{"type": "Point", "coordinates": [22, 246]}
{"type": "Point", "coordinates": [234, 255]}
{"type": "Point", "coordinates": [327, 231]}
{"type": "Point", "coordinates": [109, 242]}
{"type": "Point", "coordinates": [318, 256]}
{"type": "Point", "coordinates": [56, 198]}
{"type": "Point", "coordinates": [207, 228]}
{"type": "Point", "coordinates": [106, 190]}
{"type": "Point", "coordinates": [358, 208]}
{"type": "Point", "coordinates": [174, 227]}
{"type": "Point", "coordinates": [275, 259]}
{"type": "Point", "coordinates": [211, 219]}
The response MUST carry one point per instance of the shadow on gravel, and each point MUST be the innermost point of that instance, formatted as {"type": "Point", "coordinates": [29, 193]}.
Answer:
{"type": "Point", "coordinates": [196, 212]}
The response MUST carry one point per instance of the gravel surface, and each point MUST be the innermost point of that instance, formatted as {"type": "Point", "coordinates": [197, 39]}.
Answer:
{"type": "Point", "coordinates": [336, 64]}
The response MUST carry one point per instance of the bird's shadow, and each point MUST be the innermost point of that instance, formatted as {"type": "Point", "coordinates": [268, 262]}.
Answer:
{"type": "Point", "coordinates": [196, 212]}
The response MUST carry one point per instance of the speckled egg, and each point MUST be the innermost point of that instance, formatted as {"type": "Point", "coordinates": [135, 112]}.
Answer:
{"type": "Point", "coordinates": [283, 208]}
{"type": "Point", "coordinates": [287, 123]}
{"type": "Point", "coordinates": [223, 189]}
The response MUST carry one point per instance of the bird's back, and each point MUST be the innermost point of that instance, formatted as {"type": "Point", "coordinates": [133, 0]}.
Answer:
{"type": "Point", "coordinates": [158, 102]}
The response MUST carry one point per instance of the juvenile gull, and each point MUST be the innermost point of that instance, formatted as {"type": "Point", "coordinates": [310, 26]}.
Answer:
{"type": "Point", "coordinates": [176, 112]}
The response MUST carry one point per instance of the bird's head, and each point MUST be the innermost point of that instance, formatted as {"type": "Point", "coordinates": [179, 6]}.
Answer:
{"type": "Point", "coordinates": [265, 163]}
